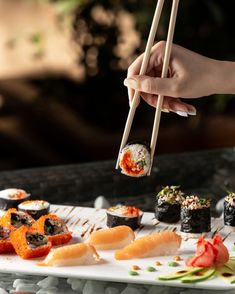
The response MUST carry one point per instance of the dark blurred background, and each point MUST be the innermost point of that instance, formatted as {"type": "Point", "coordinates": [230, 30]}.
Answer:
{"type": "Point", "coordinates": [62, 66]}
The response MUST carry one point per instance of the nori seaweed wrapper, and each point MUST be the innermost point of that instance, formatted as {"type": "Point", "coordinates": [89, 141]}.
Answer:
{"type": "Point", "coordinates": [167, 212]}
{"type": "Point", "coordinates": [195, 220]}
{"type": "Point", "coordinates": [115, 220]}
{"type": "Point", "coordinates": [229, 214]}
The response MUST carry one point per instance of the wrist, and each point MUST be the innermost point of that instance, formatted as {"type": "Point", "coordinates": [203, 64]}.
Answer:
{"type": "Point", "coordinates": [224, 72]}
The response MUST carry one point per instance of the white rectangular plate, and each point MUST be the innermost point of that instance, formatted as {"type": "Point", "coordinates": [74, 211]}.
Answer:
{"type": "Point", "coordinates": [82, 221]}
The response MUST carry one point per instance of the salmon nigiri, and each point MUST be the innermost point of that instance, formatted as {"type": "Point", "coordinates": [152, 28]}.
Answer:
{"type": "Point", "coordinates": [114, 238]}
{"type": "Point", "coordinates": [71, 255]}
{"type": "Point", "coordinates": [157, 244]}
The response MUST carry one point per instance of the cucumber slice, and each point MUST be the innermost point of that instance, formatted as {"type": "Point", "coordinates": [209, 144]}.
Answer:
{"type": "Point", "coordinates": [230, 264]}
{"type": "Point", "coordinates": [180, 274]}
{"type": "Point", "coordinates": [200, 276]}
{"type": "Point", "coordinates": [227, 274]}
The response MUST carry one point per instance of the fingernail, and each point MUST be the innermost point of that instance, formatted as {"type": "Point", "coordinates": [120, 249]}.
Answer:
{"type": "Point", "coordinates": [192, 112]}
{"type": "Point", "coordinates": [182, 113]}
{"type": "Point", "coordinates": [131, 83]}
{"type": "Point", "coordinates": [165, 110]}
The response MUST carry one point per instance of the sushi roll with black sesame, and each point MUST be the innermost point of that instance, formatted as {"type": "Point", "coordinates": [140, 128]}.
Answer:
{"type": "Point", "coordinates": [36, 208]}
{"type": "Point", "coordinates": [195, 215]}
{"type": "Point", "coordinates": [168, 204]}
{"type": "Point", "coordinates": [229, 210]}
{"type": "Point", "coordinates": [5, 243]}
{"type": "Point", "coordinates": [124, 215]}
{"type": "Point", "coordinates": [11, 198]}
{"type": "Point", "coordinates": [135, 160]}
{"type": "Point", "coordinates": [14, 219]}
{"type": "Point", "coordinates": [54, 228]}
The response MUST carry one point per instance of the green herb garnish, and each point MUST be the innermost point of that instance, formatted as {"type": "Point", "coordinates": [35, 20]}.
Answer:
{"type": "Point", "coordinates": [173, 263]}
{"type": "Point", "coordinates": [142, 163]}
{"type": "Point", "coordinates": [203, 201]}
{"type": "Point", "coordinates": [151, 269]}
{"type": "Point", "coordinates": [133, 273]}
{"type": "Point", "coordinates": [169, 189]}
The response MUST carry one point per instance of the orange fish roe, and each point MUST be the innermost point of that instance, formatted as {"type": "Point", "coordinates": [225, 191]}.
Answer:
{"type": "Point", "coordinates": [131, 210]}
{"type": "Point", "coordinates": [177, 258]}
{"type": "Point", "coordinates": [135, 268]}
{"type": "Point", "coordinates": [158, 263]}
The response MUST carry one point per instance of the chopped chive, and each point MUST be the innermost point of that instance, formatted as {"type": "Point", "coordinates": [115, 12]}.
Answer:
{"type": "Point", "coordinates": [172, 263]}
{"type": "Point", "coordinates": [133, 273]}
{"type": "Point", "coordinates": [151, 269]}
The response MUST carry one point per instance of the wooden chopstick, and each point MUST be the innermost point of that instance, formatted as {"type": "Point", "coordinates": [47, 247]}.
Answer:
{"type": "Point", "coordinates": [166, 62]}
{"type": "Point", "coordinates": [143, 69]}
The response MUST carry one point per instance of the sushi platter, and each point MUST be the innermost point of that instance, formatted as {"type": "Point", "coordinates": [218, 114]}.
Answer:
{"type": "Point", "coordinates": [83, 221]}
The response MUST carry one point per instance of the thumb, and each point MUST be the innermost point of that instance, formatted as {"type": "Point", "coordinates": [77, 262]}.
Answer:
{"type": "Point", "coordinates": [151, 85]}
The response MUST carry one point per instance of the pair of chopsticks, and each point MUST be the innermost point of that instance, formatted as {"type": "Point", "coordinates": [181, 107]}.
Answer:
{"type": "Point", "coordinates": [136, 97]}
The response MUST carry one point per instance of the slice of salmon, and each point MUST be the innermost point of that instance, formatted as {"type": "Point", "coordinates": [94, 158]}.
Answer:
{"type": "Point", "coordinates": [113, 238]}
{"type": "Point", "coordinates": [71, 255]}
{"type": "Point", "coordinates": [157, 244]}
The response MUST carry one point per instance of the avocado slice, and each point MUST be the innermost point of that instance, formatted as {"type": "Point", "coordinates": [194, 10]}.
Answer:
{"type": "Point", "coordinates": [199, 276]}
{"type": "Point", "coordinates": [230, 264]}
{"type": "Point", "coordinates": [226, 274]}
{"type": "Point", "coordinates": [180, 274]}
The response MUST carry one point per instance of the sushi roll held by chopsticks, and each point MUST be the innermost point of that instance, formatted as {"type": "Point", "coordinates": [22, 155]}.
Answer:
{"type": "Point", "coordinates": [28, 243]}
{"type": "Point", "coordinates": [195, 215]}
{"type": "Point", "coordinates": [135, 160]}
{"type": "Point", "coordinates": [54, 228]}
{"type": "Point", "coordinates": [229, 210]}
{"type": "Point", "coordinates": [11, 198]}
{"type": "Point", "coordinates": [168, 204]}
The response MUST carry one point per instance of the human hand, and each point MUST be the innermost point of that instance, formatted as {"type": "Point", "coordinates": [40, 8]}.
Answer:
{"type": "Point", "coordinates": [190, 76]}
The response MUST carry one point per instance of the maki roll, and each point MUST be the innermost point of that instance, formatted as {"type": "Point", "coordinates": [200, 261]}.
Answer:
{"type": "Point", "coordinates": [229, 210]}
{"type": "Point", "coordinates": [54, 228]}
{"type": "Point", "coordinates": [36, 208]}
{"type": "Point", "coordinates": [13, 219]}
{"type": "Point", "coordinates": [168, 204]}
{"type": "Point", "coordinates": [28, 243]}
{"type": "Point", "coordinates": [124, 215]}
{"type": "Point", "coordinates": [195, 215]}
{"type": "Point", "coordinates": [10, 198]}
{"type": "Point", "coordinates": [5, 243]}
{"type": "Point", "coordinates": [135, 160]}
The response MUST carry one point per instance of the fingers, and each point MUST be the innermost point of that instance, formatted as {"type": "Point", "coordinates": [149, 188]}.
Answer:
{"type": "Point", "coordinates": [156, 60]}
{"type": "Point", "coordinates": [171, 104]}
{"type": "Point", "coordinates": [134, 68]}
{"type": "Point", "coordinates": [152, 85]}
